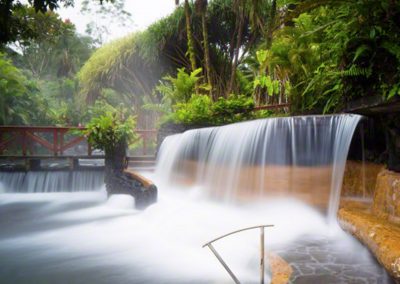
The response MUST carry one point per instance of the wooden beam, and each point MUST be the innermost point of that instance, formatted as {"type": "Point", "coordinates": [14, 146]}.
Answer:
{"type": "Point", "coordinates": [271, 107]}
{"type": "Point", "coordinates": [4, 143]}
{"type": "Point", "coordinates": [40, 140]}
{"type": "Point", "coordinates": [72, 143]}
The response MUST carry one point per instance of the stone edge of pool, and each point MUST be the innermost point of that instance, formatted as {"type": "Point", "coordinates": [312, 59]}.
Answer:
{"type": "Point", "coordinates": [281, 270]}
{"type": "Point", "coordinates": [377, 226]}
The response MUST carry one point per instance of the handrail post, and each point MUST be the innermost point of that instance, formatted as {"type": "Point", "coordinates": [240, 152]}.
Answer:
{"type": "Point", "coordinates": [262, 269]}
{"type": "Point", "coordinates": [262, 250]}
{"type": "Point", "coordinates": [210, 246]}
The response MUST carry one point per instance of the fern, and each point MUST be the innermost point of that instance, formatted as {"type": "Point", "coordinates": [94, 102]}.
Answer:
{"type": "Point", "coordinates": [356, 71]}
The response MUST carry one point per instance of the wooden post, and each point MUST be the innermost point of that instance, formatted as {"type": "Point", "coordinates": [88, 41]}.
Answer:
{"type": "Point", "coordinates": [144, 137]}
{"type": "Point", "coordinates": [24, 142]}
{"type": "Point", "coordinates": [62, 133]}
{"type": "Point", "coordinates": [55, 142]}
{"type": "Point", "coordinates": [27, 164]}
{"type": "Point", "coordinates": [89, 149]}
{"type": "Point", "coordinates": [1, 140]}
{"type": "Point", "coordinates": [30, 147]}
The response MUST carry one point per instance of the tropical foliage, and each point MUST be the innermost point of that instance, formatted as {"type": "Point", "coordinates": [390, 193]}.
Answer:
{"type": "Point", "coordinates": [20, 100]}
{"type": "Point", "coordinates": [209, 62]}
{"type": "Point", "coordinates": [108, 130]}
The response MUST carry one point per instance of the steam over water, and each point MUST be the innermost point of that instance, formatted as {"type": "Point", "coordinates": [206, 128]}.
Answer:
{"type": "Point", "coordinates": [210, 181]}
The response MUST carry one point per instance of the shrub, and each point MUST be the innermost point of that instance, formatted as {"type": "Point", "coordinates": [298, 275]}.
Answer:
{"type": "Point", "coordinates": [200, 110]}
{"type": "Point", "coordinates": [232, 109]}
{"type": "Point", "coordinates": [108, 131]}
{"type": "Point", "coordinates": [196, 111]}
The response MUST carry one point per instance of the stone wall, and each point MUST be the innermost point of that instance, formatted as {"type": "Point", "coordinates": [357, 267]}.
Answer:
{"type": "Point", "coordinates": [375, 224]}
{"type": "Point", "coordinates": [381, 185]}
{"type": "Point", "coordinates": [168, 129]}
{"type": "Point", "coordinates": [172, 128]}
{"type": "Point", "coordinates": [353, 180]}
{"type": "Point", "coordinates": [386, 203]}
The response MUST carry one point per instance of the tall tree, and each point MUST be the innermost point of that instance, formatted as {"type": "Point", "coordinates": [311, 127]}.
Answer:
{"type": "Point", "coordinates": [190, 39]}
{"type": "Point", "coordinates": [11, 28]}
{"type": "Point", "coordinates": [239, 8]}
{"type": "Point", "coordinates": [112, 13]}
{"type": "Point", "coordinates": [201, 7]}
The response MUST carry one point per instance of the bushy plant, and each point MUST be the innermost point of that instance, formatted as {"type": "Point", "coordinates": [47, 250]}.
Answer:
{"type": "Point", "coordinates": [196, 111]}
{"type": "Point", "coordinates": [232, 109]}
{"type": "Point", "coordinates": [179, 89]}
{"type": "Point", "coordinates": [108, 131]}
{"type": "Point", "coordinates": [201, 110]}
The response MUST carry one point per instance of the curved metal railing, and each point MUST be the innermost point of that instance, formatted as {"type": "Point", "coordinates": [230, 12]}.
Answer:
{"type": "Point", "coordinates": [262, 249]}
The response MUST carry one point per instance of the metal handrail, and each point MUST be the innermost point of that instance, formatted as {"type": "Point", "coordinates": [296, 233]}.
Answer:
{"type": "Point", "coordinates": [262, 239]}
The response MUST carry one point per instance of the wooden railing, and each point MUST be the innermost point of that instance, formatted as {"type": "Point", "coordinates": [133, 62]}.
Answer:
{"type": "Point", "coordinates": [274, 106]}
{"type": "Point", "coordinates": [55, 141]}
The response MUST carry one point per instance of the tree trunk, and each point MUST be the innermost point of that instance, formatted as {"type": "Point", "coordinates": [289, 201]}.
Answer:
{"type": "Point", "coordinates": [236, 52]}
{"type": "Point", "coordinates": [207, 52]}
{"type": "Point", "coordinates": [271, 23]}
{"type": "Point", "coordinates": [190, 42]}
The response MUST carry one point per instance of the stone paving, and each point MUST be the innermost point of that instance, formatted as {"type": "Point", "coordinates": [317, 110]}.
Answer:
{"type": "Point", "coordinates": [321, 260]}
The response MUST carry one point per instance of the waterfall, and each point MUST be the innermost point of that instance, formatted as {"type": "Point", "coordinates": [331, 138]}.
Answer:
{"type": "Point", "coordinates": [299, 157]}
{"type": "Point", "coordinates": [51, 181]}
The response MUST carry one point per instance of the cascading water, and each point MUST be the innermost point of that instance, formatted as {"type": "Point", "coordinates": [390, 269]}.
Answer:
{"type": "Point", "coordinates": [83, 237]}
{"type": "Point", "coordinates": [299, 157]}
{"type": "Point", "coordinates": [51, 181]}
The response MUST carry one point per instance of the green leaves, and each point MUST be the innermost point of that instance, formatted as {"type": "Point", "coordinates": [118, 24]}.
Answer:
{"type": "Point", "coordinates": [196, 111]}
{"type": "Point", "coordinates": [394, 91]}
{"type": "Point", "coordinates": [261, 56]}
{"type": "Point", "coordinates": [106, 131]}
{"type": "Point", "coordinates": [180, 88]}
{"type": "Point", "coordinates": [201, 111]}
{"type": "Point", "coordinates": [20, 101]}
{"type": "Point", "coordinates": [273, 87]}
{"type": "Point", "coordinates": [360, 51]}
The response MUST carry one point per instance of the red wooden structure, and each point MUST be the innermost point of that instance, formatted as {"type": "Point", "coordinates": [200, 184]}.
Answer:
{"type": "Point", "coordinates": [275, 106]}
{"type": "Point", "coordinates": [54, 139]}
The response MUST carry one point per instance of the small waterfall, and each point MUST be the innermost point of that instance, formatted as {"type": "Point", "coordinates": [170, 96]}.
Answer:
{"type": "Point", "coordinates": [297, 157]}
{"type": "Point", "coordinates": [51, 181]}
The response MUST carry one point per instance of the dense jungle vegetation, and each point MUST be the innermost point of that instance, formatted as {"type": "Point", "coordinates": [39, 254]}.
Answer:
{"type": "Point", "coordinates": [208, 63]}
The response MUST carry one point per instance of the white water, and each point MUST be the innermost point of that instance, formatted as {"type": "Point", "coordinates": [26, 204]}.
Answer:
{"type": "Point", "coordinates": [85, 238]}
{"type": "Point", "coordinates": [51, 181]}
{"type": "Point", "coordinates": [162, 244]}
{"type": "Point", "coordinates": [295, 155]}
